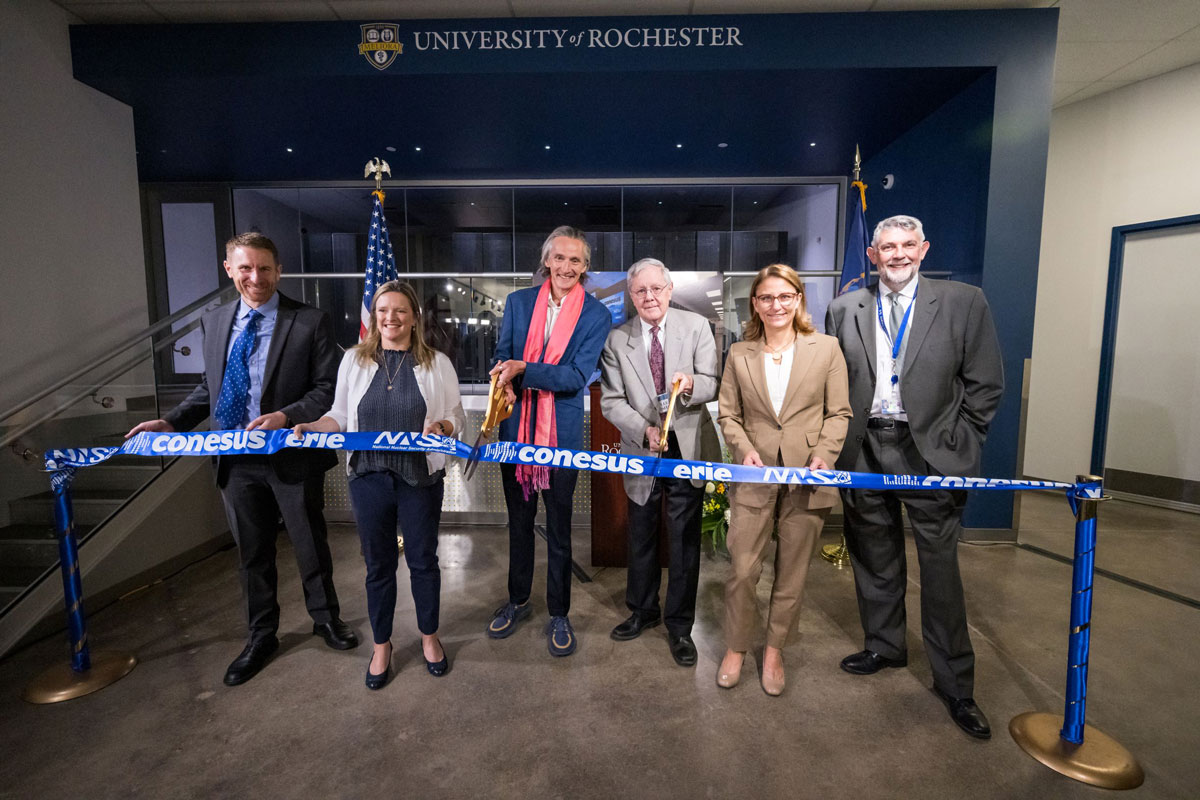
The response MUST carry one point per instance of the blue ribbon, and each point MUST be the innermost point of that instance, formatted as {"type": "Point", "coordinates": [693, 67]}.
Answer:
{"type": "Point", "coordinates": [265, 442]}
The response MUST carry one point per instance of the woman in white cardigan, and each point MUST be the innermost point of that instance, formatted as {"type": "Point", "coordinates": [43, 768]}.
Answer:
{"type": "Point", "coordinates": [394, 381]}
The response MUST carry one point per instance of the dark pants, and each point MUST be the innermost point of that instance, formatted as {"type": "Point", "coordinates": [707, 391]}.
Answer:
{"type": "Point", "coordinates": [255, 498]}
{"type": "Point", "coordinates": [521, 512]}
{"type": "Point", "coordinates": [381, 499]}
{"type": "Point", "coordinates": [875, 539]}
{"type": "Point", "coordinates": [644, 576]}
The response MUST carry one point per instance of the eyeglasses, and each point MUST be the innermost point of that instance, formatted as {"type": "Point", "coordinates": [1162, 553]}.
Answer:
{"type": "Point", "coordinates": [642, 294]}
{"type": "Point", "coordinates": [786, 299]}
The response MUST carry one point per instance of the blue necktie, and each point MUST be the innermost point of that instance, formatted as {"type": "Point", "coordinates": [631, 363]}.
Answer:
{"type": "Point", "coordinates": [235, 389]}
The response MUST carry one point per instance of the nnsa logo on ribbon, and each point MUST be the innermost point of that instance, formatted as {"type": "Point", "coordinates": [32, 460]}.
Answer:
{"type": "Point", "coordinates": [380, 43]}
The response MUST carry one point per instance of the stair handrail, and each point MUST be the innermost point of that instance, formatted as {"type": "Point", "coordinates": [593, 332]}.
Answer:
{"type": "Point", "coordinates": [217, 295]}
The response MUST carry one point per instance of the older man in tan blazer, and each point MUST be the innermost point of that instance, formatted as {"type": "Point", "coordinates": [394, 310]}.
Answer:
{"type": "Point", "coordinates": [784, 402]}
{"type": "Point", "coordinates": [641, 362]}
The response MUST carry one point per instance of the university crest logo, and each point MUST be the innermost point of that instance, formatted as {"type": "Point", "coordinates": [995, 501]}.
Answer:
{"type": "Point", "coordinates": [380, 43]}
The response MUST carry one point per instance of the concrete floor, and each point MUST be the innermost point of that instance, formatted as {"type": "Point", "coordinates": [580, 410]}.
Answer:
{"type": "Point", "coordinates": [615, 719]}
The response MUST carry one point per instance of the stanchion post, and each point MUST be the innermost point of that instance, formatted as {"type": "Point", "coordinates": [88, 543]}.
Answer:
{"type": "Point", "coordinates": [1068, 744]}
{"type": "Point", "coordinates": [86, 672]}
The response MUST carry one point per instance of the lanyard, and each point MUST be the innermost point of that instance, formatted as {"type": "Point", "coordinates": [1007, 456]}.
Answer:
{"type": "Point", "coordinates": [903, 323]}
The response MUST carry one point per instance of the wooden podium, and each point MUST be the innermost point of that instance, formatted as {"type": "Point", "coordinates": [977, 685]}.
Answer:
{"type": "Point", "coordinates": [610, 504]}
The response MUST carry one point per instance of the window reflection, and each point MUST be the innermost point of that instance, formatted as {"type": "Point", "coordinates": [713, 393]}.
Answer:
{"type": "Point", "coordinates": [794, 224]}
{"type": "Point", "coordinates": [458, 230]}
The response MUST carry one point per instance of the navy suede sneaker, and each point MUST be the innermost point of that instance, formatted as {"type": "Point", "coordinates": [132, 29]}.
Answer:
{"type": "Point", "coordinates": [505, 620]}
{"type": "Point", "coordinates": [560, 636]}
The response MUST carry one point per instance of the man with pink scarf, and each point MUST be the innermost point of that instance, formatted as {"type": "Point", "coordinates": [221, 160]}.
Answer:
{"type": "Point", "coordinates": [549, 346]}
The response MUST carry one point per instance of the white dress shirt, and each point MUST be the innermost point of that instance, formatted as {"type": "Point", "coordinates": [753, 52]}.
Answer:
{"type": "Point", "coordinates": [884, 388]}
{"type": "Point", "coordinates": [777, 376]}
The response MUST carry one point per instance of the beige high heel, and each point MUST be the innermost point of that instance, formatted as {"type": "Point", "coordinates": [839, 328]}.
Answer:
{"type": "Point", "coordinates": [772, 685]}
{"type": "Point", "coordinates": [728, 674]}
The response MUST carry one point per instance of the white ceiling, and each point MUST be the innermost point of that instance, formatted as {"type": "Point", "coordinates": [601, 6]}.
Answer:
{"type": "Point", "coordinates": [1102, 44]}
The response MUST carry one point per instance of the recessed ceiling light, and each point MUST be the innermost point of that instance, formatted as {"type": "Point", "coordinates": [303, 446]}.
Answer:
{"type": "Point", "coordinates": [713, 293]}
{"type": "Point", "coordinates": [678, 145]}
{"type": "Point", "coordinates": [723, 144]}
{"type": "Point", "coordinates": [564, 204]}
{"type": "Point", "coordinates": [755, 202]}
{"type": "Point", "coordinates": [390, 149]}
{"type": "Point", "coordinates": [547, 147]}
{"type": "Point", "coordinates": [660, 202]}
{"type": "Point", "coordinates": [417, 148]}
{"type": "Point", "coordinates": [812, 144]}
{"type": "Point", "coordinates": [472, 204]}
{"type": "Point", "coordinates": [449, 286]}
{"type": "Point", "coordinates": [289, 149]}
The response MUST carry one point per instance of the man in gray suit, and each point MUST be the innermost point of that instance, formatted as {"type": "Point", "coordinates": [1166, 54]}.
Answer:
{"type": "Point", "coordinates": [925, 380]}
{"type": "Point", "coordinates": [642, 360]}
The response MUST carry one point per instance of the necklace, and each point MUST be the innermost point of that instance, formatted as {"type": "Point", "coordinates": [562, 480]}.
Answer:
{"type": "Point", "coordinates": [777, 353]}
{"type": "Point", "coordinates": [391, 376]}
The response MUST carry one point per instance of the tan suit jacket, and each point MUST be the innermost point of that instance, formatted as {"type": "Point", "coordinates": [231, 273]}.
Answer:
{"type": "Point", "coordinates": [814, 420]}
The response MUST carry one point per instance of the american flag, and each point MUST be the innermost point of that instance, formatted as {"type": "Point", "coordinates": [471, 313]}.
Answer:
{"type": "Point", "coordinates": [381, 263]}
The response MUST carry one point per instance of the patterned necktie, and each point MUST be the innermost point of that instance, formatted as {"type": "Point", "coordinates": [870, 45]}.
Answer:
{"type": "Point", "coordinates": [235, 388]}
{"type": "Point", "coordinates": [897, 314]}
{"type": "Point", "coordinates": [657, 363]}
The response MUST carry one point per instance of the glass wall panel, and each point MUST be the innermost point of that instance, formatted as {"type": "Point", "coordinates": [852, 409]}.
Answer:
{"type": "Point", "coordinates": [458, 229]}
{"type": "Point", "coordinates": [595, 210]}
{"type": "Point", "coordinates": [794, 224]}
{"type": "Point", "coordinates": [685, 227]}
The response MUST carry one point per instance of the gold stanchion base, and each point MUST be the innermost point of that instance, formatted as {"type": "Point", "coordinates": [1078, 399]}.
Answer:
{"type": "Point", "coordinates": [1100, 760]}
{"type": "Point", "coordinates": [60, 682]}
{"type": "Point", "coordinates": [836, 554]}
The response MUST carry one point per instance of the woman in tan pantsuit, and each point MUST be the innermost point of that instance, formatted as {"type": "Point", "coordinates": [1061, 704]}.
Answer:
{"type": "Point", "coordinates": [784, 402]}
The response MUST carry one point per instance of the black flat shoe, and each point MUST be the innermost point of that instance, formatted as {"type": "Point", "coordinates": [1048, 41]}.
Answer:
{"type": "Point", "coordinates": [437, 668]}
{"type": "Point", "coordinates": [375, 682]}
{"type": "Point", "coordinates": [966, 715]}
{"type": "Point", "coordinates": [336, 634]}
{"type": "Point", "coordinates": [868, 662]}
{"type": "Point", "coordinates": [633, 627]}
{"type": "Point", "coordinates": [379, 681]}
{"type": "Point", "coordinates": [250, 661]}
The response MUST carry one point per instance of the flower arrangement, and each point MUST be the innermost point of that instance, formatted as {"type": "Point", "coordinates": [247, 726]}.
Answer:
{"type": "Point", "coordinates": [714, 516]}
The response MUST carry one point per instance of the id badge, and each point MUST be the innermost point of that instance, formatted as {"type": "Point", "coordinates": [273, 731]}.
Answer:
{"type": "Point", "coordinates": [664, 403]}
{"type": "Point", "coordinates": [890, 406]}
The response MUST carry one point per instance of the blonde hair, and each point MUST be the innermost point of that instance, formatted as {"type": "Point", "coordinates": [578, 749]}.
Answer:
{"type": "Point", "coordinates": [367, 351]}
{"type": "Point", "coordinates": [801, 323]}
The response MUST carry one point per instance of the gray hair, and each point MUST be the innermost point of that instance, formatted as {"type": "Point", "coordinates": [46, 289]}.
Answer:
{"type": "Point", "coordinates": [570, 233]}
{"type": "Point", "coordinates": [644, 264]}
{"type": "Point", "coordinates": [899, 221]}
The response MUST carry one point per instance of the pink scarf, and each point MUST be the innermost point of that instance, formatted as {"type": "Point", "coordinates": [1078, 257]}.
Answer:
{"type": "Point", "coordinates": [535, 478]}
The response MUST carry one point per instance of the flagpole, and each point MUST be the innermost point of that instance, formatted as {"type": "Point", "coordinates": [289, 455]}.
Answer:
{"type": "Point", "coordinates": [377, 167]}
{"type": "Point", "coordinates": [838, 554]}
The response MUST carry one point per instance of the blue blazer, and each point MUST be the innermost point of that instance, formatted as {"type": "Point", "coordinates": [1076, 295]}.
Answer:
{"type": "Point", "coordinates": [568, 379]}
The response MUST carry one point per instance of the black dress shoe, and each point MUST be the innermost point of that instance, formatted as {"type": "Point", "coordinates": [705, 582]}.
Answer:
{"type": "Point", "coordinates": [633, 627]}
{"type": "Point", "coordinates": [966, 715]}
{"type": "Point", "coordinates": [252, 659]}
{"type": "Point", "coordinates": [683, 649]}
{"type": "Point", "coordinates": [868, 662]}
{"type": "Point", "coordinates": [336, 634]}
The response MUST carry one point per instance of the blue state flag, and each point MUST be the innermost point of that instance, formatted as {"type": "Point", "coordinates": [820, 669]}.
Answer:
{"type": "Point", "coordinates": [854, 263]}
